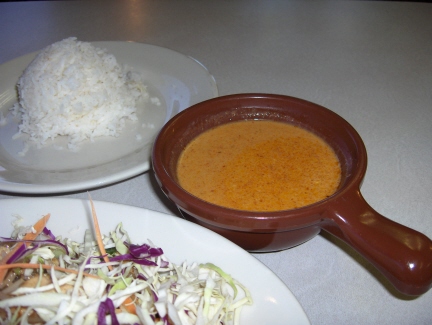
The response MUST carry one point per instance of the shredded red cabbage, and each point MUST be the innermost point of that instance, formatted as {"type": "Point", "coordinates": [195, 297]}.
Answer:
{"type": "Point", "coordinates": [23, 252]}
{"type": "Point", "coordinates": [43, 242]}
{"type": "Point", "coordinates": [145, 250]}
{"type": "Point", "coordinates": [130, 257]}
{"type": "Point", "coordinates": [155, 297]}
{"type": "Point", "coordinates": [6, 239]}
{"type": "Point", "coordinates": [97, 256]}
{"type": "Point", "coordinates": [17, 254]}
{"type": "Point", "coordinates": [139, 254]}
{"type": "Point", "coordinates": [48, 233]}
{"type": "Point", "coordinates": [164, 264]}
{"type": "Point", "coordinates": [105, 307]}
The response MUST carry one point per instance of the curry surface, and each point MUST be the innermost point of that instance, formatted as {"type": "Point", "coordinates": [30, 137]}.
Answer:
{"type": "Point", "coordinates": [259, 166]}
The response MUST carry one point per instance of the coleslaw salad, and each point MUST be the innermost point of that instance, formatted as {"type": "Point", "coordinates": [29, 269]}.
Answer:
{"type": "Point", "coordinates": [107, 279]}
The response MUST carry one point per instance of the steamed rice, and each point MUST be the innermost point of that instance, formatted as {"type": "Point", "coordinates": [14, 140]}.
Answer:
{"type": "Point", "coordinates": [76, 90]}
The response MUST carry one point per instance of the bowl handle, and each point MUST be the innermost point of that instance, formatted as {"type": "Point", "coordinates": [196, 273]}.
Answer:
{"type": "Point", "coordinates": [400, 253]}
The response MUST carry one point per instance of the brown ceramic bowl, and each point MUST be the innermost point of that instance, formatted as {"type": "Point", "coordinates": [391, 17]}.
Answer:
{"type": "Point", "coordinates": [402, 254]}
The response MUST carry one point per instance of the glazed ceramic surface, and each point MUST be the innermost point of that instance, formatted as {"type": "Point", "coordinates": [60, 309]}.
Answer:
{"type": "Point", "coordinates": [175, 80]}
{"type": "Point", "coordinates": [402, 254]}
{"type": "Point", "coordinates": [273, 301]}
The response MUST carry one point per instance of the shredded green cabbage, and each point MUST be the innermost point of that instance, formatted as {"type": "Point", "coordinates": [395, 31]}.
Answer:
{"type": "Point", "coordinates": [160, 291]}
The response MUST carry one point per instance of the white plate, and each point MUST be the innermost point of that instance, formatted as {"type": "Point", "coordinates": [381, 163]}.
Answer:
{"type": "Point", "coordinates": [180, 240]}
{"type": "Point", "coordinates": [177, 80]}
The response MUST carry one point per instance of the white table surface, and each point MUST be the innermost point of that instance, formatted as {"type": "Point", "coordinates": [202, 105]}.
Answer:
{"type": "Point", "coordinates": [369, 61]}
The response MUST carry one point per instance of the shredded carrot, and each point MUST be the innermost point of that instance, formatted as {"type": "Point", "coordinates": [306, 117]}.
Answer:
{"type": "Point", "coordinates": [98, 234]}
{"type": "Point", "coordinates": [128, 303]}
{"type": "Point", "coordinates": [39, 227]}
{"type": "Point", "coordinates": [44, 266]}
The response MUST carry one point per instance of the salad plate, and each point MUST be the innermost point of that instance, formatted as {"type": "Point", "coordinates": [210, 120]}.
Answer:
{"type": "Point", "coordinates": [174, 80]}
{"type": "Point", "coordinates": [181, 241]}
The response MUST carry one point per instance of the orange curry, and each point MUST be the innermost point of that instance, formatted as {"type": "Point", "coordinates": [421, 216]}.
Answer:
{"type": "Point", "coordinates": [259, 166]}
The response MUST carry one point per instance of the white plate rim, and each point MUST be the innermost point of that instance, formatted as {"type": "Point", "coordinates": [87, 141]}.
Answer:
{"type": "Point", "coordinates": [99, 181]}
{"type": "Point", "coordinates": [275, 302]}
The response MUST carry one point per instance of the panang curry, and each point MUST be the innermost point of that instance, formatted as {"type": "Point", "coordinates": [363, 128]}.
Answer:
{"type": "Point", "coordinates": [259, 166]}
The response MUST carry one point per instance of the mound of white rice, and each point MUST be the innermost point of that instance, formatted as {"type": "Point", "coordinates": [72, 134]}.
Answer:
{"type": "Point", "coordinates": [76, 90]}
